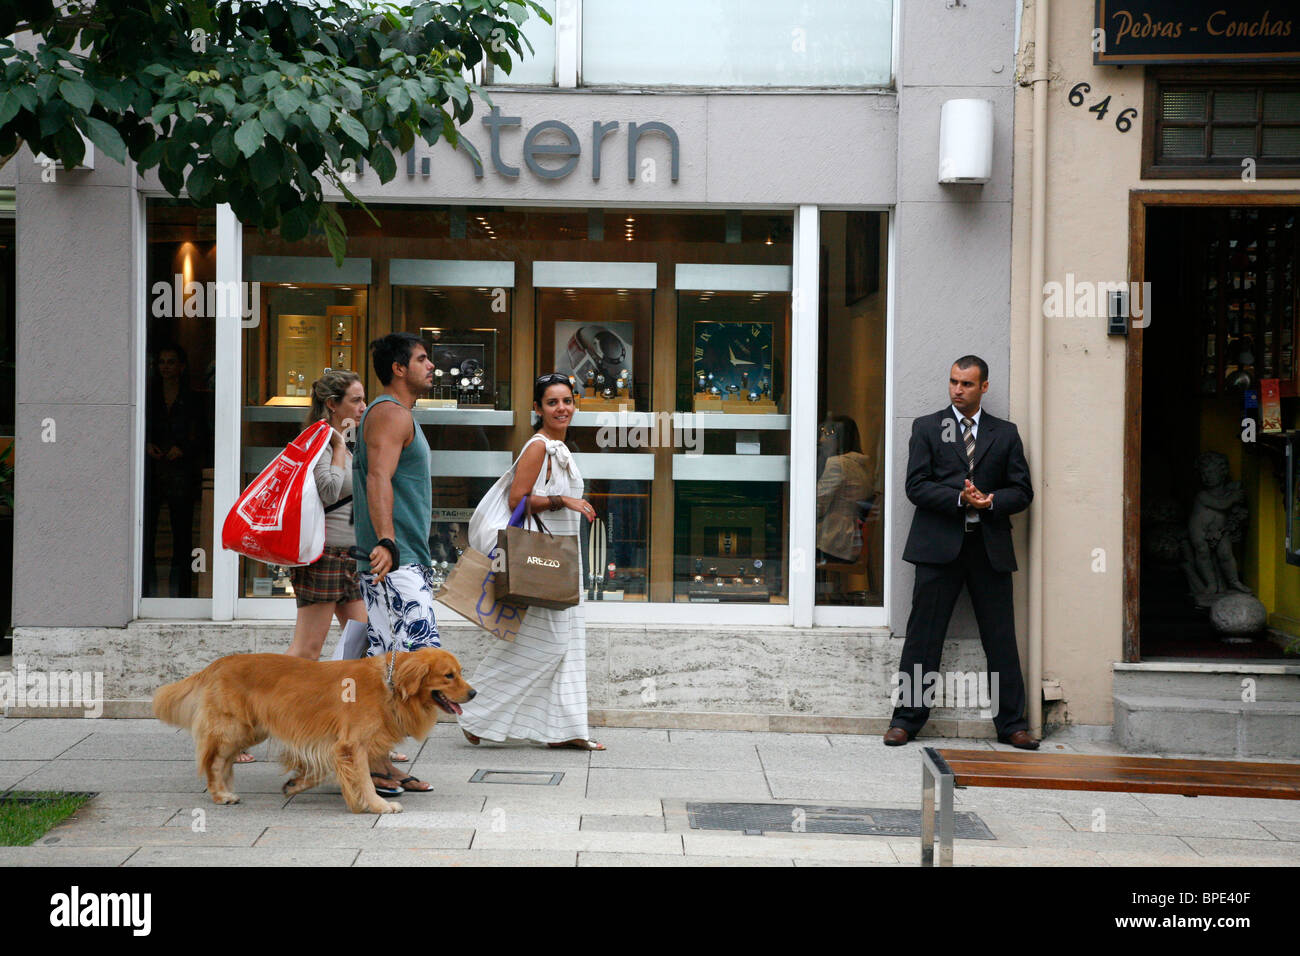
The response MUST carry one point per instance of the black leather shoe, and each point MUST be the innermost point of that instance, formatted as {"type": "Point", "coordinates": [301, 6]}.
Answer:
{"type": "Point", "coordinates": [896, 737]}
{"type": "Point", "coordinates": [1020, 739]}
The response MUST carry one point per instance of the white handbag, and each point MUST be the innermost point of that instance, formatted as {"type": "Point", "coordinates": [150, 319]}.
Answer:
{"type": "Point", "coordinates": [493, 512]}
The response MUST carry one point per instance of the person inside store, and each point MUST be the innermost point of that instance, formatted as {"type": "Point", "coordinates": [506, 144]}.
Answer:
{"type": "Point", "coordinates": [393, 509]}
{"type": "Point", "coordinates": [967, 475]}
{"type": "Point", "coordinates": [843, 490]}
{"type": "Point", "coordinates": [535, 687]}
{"type": "Point", "coordinates": [175, 440]}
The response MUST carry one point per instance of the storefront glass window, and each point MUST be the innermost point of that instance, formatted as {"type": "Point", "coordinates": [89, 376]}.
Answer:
{"type": "Point", "coordinates": [535, 68]}
{"type": "Point", "coordinates": [737, 43]}
{"type": "Point", "coordinates": [302, 329]}
{"type": "Point", "coordinates": [180, 380]}
{"type": "Point", "coordinates": [633, 304]}
{"type": "Point", "coordinates": [851, 410]}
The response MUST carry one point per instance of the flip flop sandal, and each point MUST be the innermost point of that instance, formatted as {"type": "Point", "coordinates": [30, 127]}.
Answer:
{"type": "Point", "coordinates": [396, 757]}
{"type": "Point", "coordinates": [405, 780]}
{"type": "Point", "coordinates": [578, 745]}
{"type": "Point", "coordinates": [470, 737]}
{"type": "Point", "coordinates": [386, 791]}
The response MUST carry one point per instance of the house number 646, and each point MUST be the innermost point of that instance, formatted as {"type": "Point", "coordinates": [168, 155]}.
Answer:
{"type": "Point", "coordinates": [1123, 122]}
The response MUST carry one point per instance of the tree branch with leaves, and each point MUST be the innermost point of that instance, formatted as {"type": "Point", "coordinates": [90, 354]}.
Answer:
{"type": "Point", "coordinates": [255, 105]}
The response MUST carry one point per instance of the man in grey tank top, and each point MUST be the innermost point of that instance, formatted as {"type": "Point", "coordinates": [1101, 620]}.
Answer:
{"type": "Point", "coordinates": [392, 506]}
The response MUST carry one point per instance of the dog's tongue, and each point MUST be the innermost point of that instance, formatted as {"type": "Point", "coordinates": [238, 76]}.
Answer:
{"type": "Point", "coordinates": [454, 706]}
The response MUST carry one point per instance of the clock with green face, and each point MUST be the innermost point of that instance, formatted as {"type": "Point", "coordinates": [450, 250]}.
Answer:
{"type": "Point", "coordinates": [736, 354]}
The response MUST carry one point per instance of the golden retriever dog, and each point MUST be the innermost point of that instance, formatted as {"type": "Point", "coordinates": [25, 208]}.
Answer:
{"type": "Point", "coordinates": [330, 715]}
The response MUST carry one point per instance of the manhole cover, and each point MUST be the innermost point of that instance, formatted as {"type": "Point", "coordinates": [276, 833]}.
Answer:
{"type": "Point", "coordinates": [812, 818]}
{"type": "Point", "coordinates": [536, 778]}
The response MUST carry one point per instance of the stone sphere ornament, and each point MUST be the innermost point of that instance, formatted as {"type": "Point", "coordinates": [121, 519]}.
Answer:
{"type": "Point", "coordinates": [1238, 615]}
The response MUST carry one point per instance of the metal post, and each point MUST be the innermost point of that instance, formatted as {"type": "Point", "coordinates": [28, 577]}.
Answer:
{"type": "Point", "coordinates": [945, 819]}
{"type": "Point", "coordinates": [927, 811]}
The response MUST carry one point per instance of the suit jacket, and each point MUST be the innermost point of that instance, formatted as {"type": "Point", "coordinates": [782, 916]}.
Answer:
{"type": "Point", "coordinates": [936, 474]}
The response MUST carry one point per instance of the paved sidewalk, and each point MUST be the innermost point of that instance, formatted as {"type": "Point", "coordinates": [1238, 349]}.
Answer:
{"type": "Point", "coordinates": [625, 806]}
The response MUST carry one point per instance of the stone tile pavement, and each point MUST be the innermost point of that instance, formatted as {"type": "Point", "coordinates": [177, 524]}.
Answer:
{"type": "Point", "coordinates": [622, 807]}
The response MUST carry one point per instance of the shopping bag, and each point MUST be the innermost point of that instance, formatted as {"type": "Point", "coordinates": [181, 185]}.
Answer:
{"type": "Point", "coordinates": [493, 512]}
{"type": "Point", "coordinates": [470, 591]}
{"type": "Point", "coordinates": [536, 568]}
{"type": "Point", "coordinates": [352, 642]}
{"type": "Point", "coordinates": [279, 518]}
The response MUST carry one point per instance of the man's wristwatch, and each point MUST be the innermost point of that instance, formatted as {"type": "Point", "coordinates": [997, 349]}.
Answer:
{"type": "Point", "coordinates": [391, 545]}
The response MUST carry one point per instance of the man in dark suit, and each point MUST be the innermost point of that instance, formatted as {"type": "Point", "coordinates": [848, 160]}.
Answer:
{"type": "Point", "coordinates": [967, 475]}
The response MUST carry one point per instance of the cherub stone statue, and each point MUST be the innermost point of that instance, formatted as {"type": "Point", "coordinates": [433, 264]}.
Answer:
{"type": "Point", "coordinates": [1218, 521]}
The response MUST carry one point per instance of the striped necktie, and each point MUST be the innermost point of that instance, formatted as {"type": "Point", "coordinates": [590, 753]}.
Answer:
{"type": "Point", "coordinates": [968, 427]}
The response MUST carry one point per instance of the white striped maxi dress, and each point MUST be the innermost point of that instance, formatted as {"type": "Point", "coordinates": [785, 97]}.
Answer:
{"type": "Point", "coordinates": [535, 687]}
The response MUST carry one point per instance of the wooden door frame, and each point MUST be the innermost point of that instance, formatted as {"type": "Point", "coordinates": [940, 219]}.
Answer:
{"type": "Point", "coordinates": [1140, 200]}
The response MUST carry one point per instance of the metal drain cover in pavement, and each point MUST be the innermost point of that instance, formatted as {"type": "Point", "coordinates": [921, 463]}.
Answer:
{"type": "Point", "coordinates": [785, 818]}
{"type": "Point", "coordinates": [536, 778]}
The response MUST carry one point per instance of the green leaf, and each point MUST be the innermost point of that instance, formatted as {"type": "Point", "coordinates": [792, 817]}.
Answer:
{"type": "Point", "coordinates": [223, 147]}
{"type": "Point", "coordinates": [354, 130]}
{"type": "Point", "coordinates": [199, 184]}
{"type": "Point", "coordinates": [399, 100]}
{"type": "Point", "coordinates": [9, 107]}
{"type": "Point", "coordinates": [113, 97]}
{"type": "Point", "coordinates": [226, 97]}
{"type": "Point", "coordinates": [152, 155]}
{"type": "Point", "coordinates": [456, 90]}
{"type": "Point", "coordinates": [319, 115]}
{"type": "Point", "coordinates": [273, 122]}
{"type": "Point", "coordinates": [289, 101]}
{"type": "Point", "coordinates": [381, 158]}
{"type": "Point", "coordinates": [160, 111]}
{"type": "Point", "coordinates": [69, 146]}
{"type": "Point", "coordinates": [249, 137]}
{"type": "Point", "coordinates": [186, 109]}
{"type": "Point", "coordinates": [372, 117]}
{"type": "Point", "coordinates": [294, 225]}
{"type": "Point", "coordinates": [264, 166]}
{"type": "Point", "coordinates": [107, 139]}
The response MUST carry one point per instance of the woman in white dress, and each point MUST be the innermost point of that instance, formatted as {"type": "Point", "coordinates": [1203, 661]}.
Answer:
{"type": "Point", "coordinates": [535, 688]}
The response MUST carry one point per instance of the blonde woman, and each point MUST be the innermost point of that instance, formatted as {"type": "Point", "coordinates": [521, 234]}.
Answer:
{"type": "Point", "coordinates": [329, 587]}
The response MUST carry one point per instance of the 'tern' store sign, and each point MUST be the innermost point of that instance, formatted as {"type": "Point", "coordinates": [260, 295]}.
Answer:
{"type": "Point", "coordinates": [1196, 31]}
{"type": "Point", "coordinates": [568, 150]}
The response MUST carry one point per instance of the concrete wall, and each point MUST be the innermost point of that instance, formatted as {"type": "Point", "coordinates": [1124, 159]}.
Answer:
{"type": "Point", "coordinates": [952, 242]}
{"type": "Point", "coordinates": [74, 540]}
{"type": "Point", "coordinates": [1091, 167]}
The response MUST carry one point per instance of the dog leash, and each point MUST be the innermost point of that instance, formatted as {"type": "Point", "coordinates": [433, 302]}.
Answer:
{"type": "Point", "coordinates": [357, 553]}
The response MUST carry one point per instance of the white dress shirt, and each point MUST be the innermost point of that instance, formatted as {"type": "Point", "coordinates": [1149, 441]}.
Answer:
{"type": "Point", "coordinates": [975, 433]}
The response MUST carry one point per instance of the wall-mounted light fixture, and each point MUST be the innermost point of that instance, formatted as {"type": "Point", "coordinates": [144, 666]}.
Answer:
{"type": "Point", "coordinates": [966, 141]}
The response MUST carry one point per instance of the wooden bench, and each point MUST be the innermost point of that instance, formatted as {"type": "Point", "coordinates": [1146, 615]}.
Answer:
{"type": "Point", "coordinates": [948, 769]}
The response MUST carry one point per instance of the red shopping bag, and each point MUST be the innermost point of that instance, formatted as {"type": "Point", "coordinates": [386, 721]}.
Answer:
{"type": "Point", "coordinates": [279, 519]}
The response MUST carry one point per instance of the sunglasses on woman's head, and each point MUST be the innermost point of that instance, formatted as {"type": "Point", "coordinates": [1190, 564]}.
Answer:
{"type": "Point", "coordinates": [554, 378]}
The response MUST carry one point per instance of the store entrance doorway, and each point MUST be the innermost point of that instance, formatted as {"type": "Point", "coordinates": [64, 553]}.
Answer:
{"type": "Point", "coordinates": [1213, 582]}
